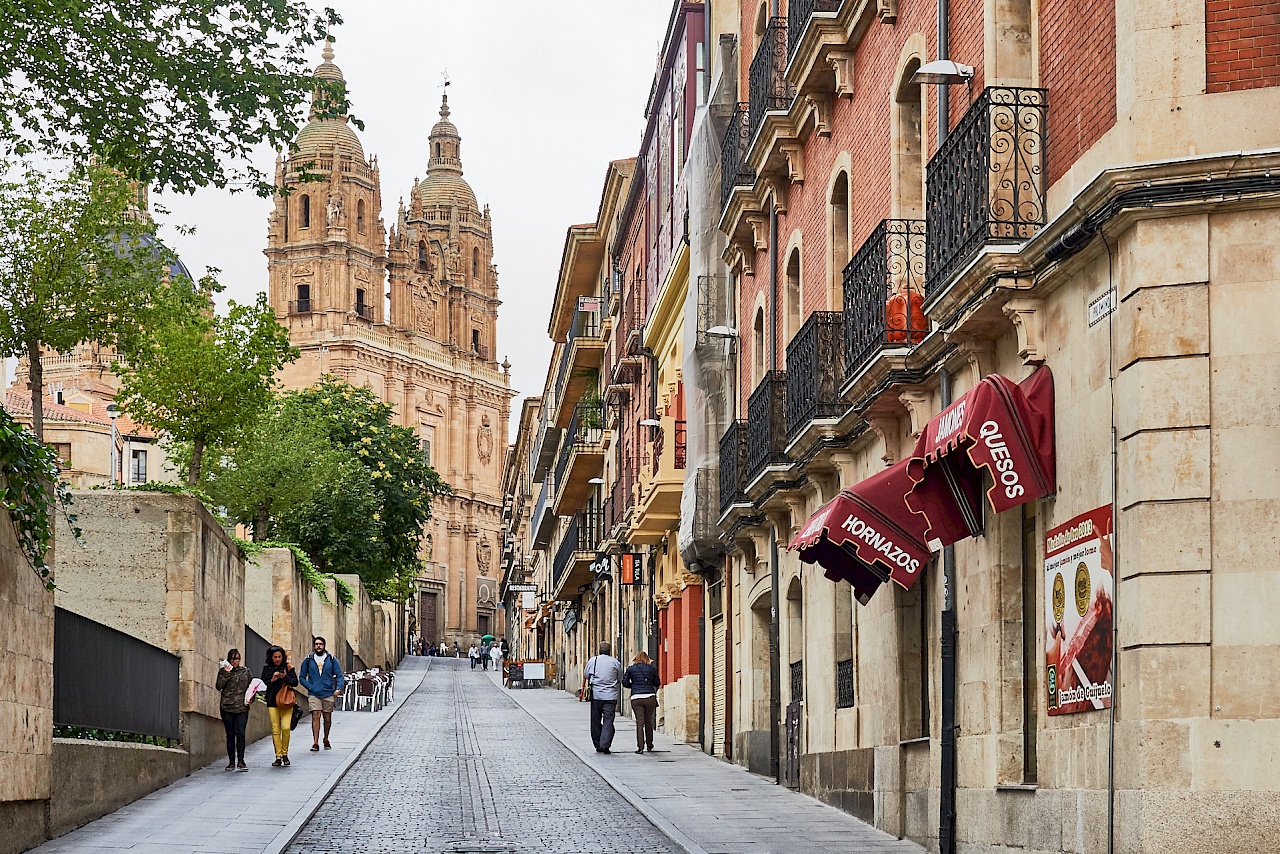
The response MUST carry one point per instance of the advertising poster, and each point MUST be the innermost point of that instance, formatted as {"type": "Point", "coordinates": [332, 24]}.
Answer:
{"type": "Point", "coordinates": [1078, 590]}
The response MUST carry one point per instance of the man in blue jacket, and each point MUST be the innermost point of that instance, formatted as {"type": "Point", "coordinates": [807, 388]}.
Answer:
{"type": "Point", "coordinates": [322, 676]}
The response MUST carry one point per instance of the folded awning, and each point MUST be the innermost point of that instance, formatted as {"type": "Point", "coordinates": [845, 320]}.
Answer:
{"type": "Point", "coordinates": [867, 535]}
{"type": "Point", "coordinates": [999, 427]}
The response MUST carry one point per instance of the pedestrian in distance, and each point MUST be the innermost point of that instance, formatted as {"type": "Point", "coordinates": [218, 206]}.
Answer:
{"type": "Point", "coordinates": [642, 678]}
{"type": "Point", "coordinates": [495, 654]}
{"type": "Point", "coordinates": [322, 676]}
{"type": "Point", "coordinates": [233, 683]}
{"type": "Point", "coordinates": [484, 656]}
{"type": "Point", "coordinates": [602, 678]}
{"type": "Point", "coordinates": [474, 655]}
{"type": "Point", "coordinates": [280, 679]}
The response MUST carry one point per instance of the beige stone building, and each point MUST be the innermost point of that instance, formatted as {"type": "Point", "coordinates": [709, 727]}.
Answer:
{"type": "Point", "coordinates": [412, 316]}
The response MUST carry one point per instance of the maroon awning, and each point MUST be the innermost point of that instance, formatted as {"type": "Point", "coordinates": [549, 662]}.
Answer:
{"type": "Point", "coordinates": [1001, 426]}
{"type": "Point", "coordinates": [867, 535]}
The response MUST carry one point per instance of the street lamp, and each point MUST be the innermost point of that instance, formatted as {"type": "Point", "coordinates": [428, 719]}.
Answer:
{"type": "Point", "coordinates": [722, 332]}
{"type": "Point", "coordinates": [942, 72]}
{"type": "Point", "coordinates": [113, 412]}
{"type": "Point", "coordinates": [650, 422]}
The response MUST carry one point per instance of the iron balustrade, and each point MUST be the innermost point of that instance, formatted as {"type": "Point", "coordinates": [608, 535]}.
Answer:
{"type": "Point", "coordinates": [682, 444]}
{"type": "Point", "coordinates": [563, 371]}
{"type": "Point", "coordinates": [616, 506]}
{"type": "Point", "coordinates": [300, 306]}
{"type": "Point", "coordinates": [733, 465]}
{"type": "Point", "coordinates": [767, 424]}
{"type": "Point", "coordinates": [659, 442]}
{"type": "Point", "coordinates": [734, 171]}
{"type": "Point", "coordinates": [541, 531]}
{"type": "Point", "coordinates": [770, 90]}
{"type": "Point", "coordinates": [585, 324]}
{"type": "Point", "coordinates": [815, 371]}
{"type": "Point", "coordinates": [986, 182]}
{"type": "Point", "coordinates": [562, 461]}
{"type": "Point", "coordinates": [587, 425]}
{"type": "Point", "coordinates": [798, 14]}
{"type": "Point", "coordinates": [844, 684]}
{"type": "Point", "coordinates": [107, 680]}
{"type": "Point", "coordinates": [365, 311]}
{"type": "Point", "coordinates": [797, 681]}
{"type": "Point", "coordinates": [883, 288]}
{"type": "Point", "coordinates": [583, 535]}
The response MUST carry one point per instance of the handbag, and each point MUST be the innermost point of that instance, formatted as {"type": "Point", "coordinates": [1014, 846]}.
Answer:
{"type": "Point", "coordinates": [586, 694]}
{"type": "Point", "coordinates": [286, 697]}
{"type": "Point", "coordinates": [297, 716]}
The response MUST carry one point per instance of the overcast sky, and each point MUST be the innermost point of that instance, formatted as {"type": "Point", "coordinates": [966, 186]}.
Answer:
{"type": "Point", "coordinates": [544, 95]}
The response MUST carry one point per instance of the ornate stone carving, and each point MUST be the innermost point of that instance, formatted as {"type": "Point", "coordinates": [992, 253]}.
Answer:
{"type": "Point", "coordinates": [484, 440]}
{"type": "Point", "coordinates": [334, 216]}
{"type": "Point", "coordinates": [887, 10]}
{"type": "Point", "coordinates": [841, 62]}
{"type": "Point", "coordinates": [484, 555]}
{"type": "Point", "coordinates": [1027, 319]}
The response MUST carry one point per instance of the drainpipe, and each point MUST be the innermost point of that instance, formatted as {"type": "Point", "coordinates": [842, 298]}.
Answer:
{"type": "Point", "coordinates": [775, 642]}
{"type": "Point", "coordinates": [944, 52]}
{"type": "Point", "coordinates": [947, 797]}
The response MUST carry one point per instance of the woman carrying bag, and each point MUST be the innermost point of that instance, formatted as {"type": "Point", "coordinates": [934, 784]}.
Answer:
{"type": "Point", "coordinates": [232, 684]}
{"type": "Point", "coordinates": [642, 678]}
{"type": "Point", "coordinates": [280, 679]}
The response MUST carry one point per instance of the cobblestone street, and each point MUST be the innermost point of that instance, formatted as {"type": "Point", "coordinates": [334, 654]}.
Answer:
{"type": "Point", "coordinates": [462, 768]}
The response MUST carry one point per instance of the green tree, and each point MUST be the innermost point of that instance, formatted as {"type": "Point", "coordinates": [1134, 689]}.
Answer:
{"type": "Point", "coordinates": [171, 92]}
{"type": "Point", "coordinates": [202, 377]}
{"type": "Point", "coordinates": [75, 267]}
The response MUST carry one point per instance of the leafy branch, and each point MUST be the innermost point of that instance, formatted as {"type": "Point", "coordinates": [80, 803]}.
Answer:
{"type": "Point", "coordinates": [31, 491]}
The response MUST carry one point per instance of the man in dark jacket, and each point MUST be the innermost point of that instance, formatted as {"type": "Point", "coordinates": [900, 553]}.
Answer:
{"type": "Point", "coordinates": [642, 678]}
{"type": "Point", "coordinates": [322, 676]}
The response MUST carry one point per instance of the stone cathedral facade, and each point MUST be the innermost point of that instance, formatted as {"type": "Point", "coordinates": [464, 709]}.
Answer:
{"type": "Point", "coordinates": [411, 315]}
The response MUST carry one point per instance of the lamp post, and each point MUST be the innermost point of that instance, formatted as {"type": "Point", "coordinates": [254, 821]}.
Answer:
{"type": "Point", "coordinates": [113, 412]}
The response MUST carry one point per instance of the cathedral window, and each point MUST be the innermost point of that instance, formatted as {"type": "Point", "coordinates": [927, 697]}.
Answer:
{"type": "Point", "coordinates": [438, 154]}
{"type": "Point", "coordinates": [304, 299]}
{"type": "Point", "coordinates": [360, 216]}
{"type": "Point", "coordinates": [475, 263]}
{"type": "Point", "coordinates": [306, 212]}
{"type": "Point", "coordinates": [362, 309]}
{"type": "Point", "coordinates": [422, 255]}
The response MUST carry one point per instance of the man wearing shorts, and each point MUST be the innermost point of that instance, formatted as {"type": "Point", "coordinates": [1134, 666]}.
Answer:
{"type": "Point", "coordinates": [322, 676]}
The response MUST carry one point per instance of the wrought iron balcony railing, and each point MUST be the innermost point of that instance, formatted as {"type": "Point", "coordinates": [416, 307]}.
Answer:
{"type": "Point", "coordinates": [365, 311]}
{"type": "Point", "coordinates": [734, 171]}
{"type": "Point", "coordinates": [844, 684]}
{"type": "Point", "coordinates": [300, 306]}
{"type": "Point", "coordinates": [797, 681]}
{"type": "Point", "coordinates": [986, 183]}
{"type": "Point", "coordinates": [616, 506]}
{"type": "Point", "coordinates": [883, 292]}
{"type": "Point", "coordinates": [585, 324]}
{"type": "Point", "coordinates": [587, 425]}
{"type": "Point", "coordinates": [767, 424]}
{"type": "Point", "coordinates": [682, 445]}
{"type": "Point", "coordinates": [768, 76]}
{"type": "Point", "coordinates": [733, 465]}
{"type": "Point", "coordinates": [584, 534]}
{"type": "Point", "coordinates": [798, 14]}
{"type": "Point", "coordinates": [815, 371]}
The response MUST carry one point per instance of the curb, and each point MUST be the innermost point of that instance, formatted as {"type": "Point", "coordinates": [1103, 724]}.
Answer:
{"type": "Point", "coordinates": [290, 831]}
{"type": "Point", "coordinates": [679, 837]}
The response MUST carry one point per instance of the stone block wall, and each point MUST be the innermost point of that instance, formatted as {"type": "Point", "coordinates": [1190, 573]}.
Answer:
{"type": "Point", "coordinates": [278, 603]}
{"type": "Point", "coordinates": [26, 698]}
{"type": "Point", "coordinates": [329, 620]}
{"type": "Point", "coordinates": [361, 624]}
{"type": "Point", "coordinates": [160, 568]}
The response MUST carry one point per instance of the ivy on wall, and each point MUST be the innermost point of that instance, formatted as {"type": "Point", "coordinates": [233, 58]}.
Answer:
{"type": "Point", "coordinates": [314, 577]}
{"type": "Point", "coordinates": [32, 493]}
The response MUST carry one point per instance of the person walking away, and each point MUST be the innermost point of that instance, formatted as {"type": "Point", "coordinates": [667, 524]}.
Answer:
{"type": "Point", "coordinates": [603, 676]}
{"type": "Point", "coordinates": [279, 676]}
{"type": "Point", "coordinates": [642, 678]}
{"type": "Point", "coordinates": [322, 676]}
{"type": "Point", "coordinates": [233, 683]}
{"type": "Point", "coordinates": [474, 655]}
{"type": "Point", "coordinates": [495, 653]}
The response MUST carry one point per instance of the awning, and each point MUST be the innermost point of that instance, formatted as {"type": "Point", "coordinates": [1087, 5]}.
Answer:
{"type": "Point", "coordinates": [1001, 426]}
{"type": "Point", "coordinates": [867, 535]}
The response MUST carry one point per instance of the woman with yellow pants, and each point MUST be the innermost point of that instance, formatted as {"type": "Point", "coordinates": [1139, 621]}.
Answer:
{"type": "Point", "coordinates": [277, 674]}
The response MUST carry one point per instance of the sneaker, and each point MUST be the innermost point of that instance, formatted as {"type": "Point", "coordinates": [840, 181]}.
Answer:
{"type": "Point", "coordinates": [284, 760]}
{"type": "Point", "coordinates": [242, 766]}
{"type": "Point", "coordinates": [277, 763]}
{"type": "Point", "coordinates": [327, 745]}
{"type": "Point", "coordinates": [315, 748]}
{"type": "Point", "coordinates": [231, 766]}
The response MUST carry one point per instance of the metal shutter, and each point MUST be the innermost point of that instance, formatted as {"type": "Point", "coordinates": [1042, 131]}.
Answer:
{"type": "Point", "coordinates": [718, 677]}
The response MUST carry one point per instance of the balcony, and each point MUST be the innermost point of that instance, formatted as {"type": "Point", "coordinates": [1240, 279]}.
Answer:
{"type": "Point", "coordinates": [734, 171]}
{"type": "Point", "coordinates": [798, 14]}
{"type": "Point", "coordinates": [545, 447]}
{"type": "Point", "coordinates": [365, 311]}
{"type": "Point", "coordinates": [883, 293]}
{"type": "Point", "coordinates": [300, 306]}
{"type": "Point", "coordinates": [571, 567]}
{"type": "Point", "coordinates": [770, 90]}
{"type": "Point", "coordinates": [580, 363]}
{"type": "Point", "coordinates": [544, 521]}
{"type": "Point", "coordinates": [661, 484]}
{"type": "Point", "coordinates": [581, 457]}
{"type": "Point", "coordinates": [986, 183]}
{"type": "Point", "coordinates": [815, 371]}
{"type": "Point", "coordinates": [767, 424]}
{"type": "Point", "coordinates": [733, 466]}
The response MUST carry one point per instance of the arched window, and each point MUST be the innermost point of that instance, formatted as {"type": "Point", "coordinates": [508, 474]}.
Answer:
{"type": "Point", "coordinates": [475, 262]}
{"type": "Point", "coordinates": [795, 639]}
{"type": "Point", "coordinates": [360, 216]}
{"type": "Point", "coordinates": [438, 149]}
{"type": "Point", "coordinates": [838, 240]}
{"type": "Point", "coordinates": [791, 295]}
{"type": "Point", "coordinates": [908, 148]}
{"type": "Point", "coordinates": [757, 348]}
{"type": "Point", "coordinates": [305, 202]}
{"type": "Point", "coordinates": [422, 255]}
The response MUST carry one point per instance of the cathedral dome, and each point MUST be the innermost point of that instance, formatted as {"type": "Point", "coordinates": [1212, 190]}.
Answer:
{"type": "Point", "coordinates": [444, 184]}
{"type": "Point", "coordinates": [322, 135]}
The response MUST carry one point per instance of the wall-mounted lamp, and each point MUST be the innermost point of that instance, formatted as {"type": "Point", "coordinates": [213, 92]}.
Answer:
{"type": "Point", "coordinates": [942, 72]}
{"type": "Point", "coordinates": [650, 422]}
{"type": "Point", "coordinates": [596, 481]}
{"type": "Point", "coordinates": [722, 332]}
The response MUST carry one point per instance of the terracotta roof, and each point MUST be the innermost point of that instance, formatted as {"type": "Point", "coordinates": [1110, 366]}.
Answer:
{"type": "Point", "coordinates": [19, 404]}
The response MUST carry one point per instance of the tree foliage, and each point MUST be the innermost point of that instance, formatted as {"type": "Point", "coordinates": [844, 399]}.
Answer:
{"type": "Point", "coordinates": [171, 92]}
{"type": "Point", "coordinates": [205, 378]}
{"type": "Point", "coordinates": [76, 266]}
{"type": "Point", "coordinates": [327, 468]}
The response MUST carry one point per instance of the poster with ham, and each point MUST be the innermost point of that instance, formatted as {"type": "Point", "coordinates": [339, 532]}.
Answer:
{"type": "Point", "coordinates": [1078, 591]}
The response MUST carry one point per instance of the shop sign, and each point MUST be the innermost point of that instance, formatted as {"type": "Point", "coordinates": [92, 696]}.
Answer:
{"type": "Point", "coordinates": [1101, 306]}
{"type": "Point", "coordinates": [523, 588]}
{"type": "Point", "coordinates": [630, 568]}
{"type": "Point", "coordinates": [1079, 591]}
{"type": "Point", "coordinates": [529, 599]}
{"type": "Point", "coordinates": [570, 620]}
{"type": "Point", "coordinates": [588, 303]}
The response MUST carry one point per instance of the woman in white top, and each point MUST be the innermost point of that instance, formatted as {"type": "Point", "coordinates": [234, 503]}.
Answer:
{"type": "Point", "coordinates": [474, 655]}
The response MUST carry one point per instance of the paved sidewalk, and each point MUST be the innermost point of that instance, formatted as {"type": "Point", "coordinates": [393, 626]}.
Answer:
{"type": "Point", "coordinates": [242, 813]}
{"type": "Point", "coordinates": [705, 805]}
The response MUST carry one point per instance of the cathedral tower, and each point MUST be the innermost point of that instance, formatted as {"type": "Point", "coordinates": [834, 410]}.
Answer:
{"type": "Point", "coordinates": [443, 282]}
